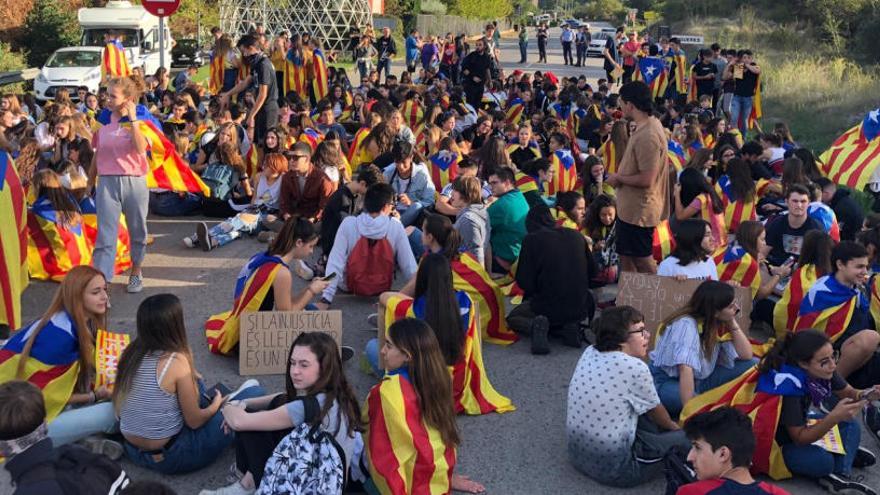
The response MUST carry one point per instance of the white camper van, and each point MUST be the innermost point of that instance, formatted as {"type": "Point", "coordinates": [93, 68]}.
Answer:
{"type": "Point", "coordinates": [139, 29]}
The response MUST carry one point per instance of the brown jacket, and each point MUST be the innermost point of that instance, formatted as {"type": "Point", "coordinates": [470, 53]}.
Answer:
{"type": "Point", "coordinates": [311, 200]}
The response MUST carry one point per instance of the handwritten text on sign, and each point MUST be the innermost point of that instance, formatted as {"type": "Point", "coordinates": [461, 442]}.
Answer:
{"type": "Point", "coordinates": [266, 337]}
{"type": "Point", "coordinates": [657, 297]}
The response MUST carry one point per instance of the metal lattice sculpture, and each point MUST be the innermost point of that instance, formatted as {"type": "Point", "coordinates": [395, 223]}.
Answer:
{"type": "Point", "coordinates": [329, 20]}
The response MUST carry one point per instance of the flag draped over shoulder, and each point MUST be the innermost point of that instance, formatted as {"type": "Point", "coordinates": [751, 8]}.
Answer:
{"type": "Point", "coordinates": [515, 111]}
{"type": "Point", "coordinates": [54, 248]}
{"type": "Point", "coordinates": [13, 243]}
{"type": "Point", "coordinates": [295, 74]}
{"type": "Point", "coordinates": [785, 312]}
{"type": "Point", "coordinates": [610, 156]}
{"type": "Point", "coordinates": [406, 455]}
{"type": "Point", "coordinates": [470, 276]}
{"type": "Point", "coordinates": [533, 147]}
{"type": "Point", "coordinates": [312, 137]}
{"type": "Point", "coordinates": [251, 287]}
{"type": "Point", "coordinates": [823, 214]}
{"type": "Point", "coordinates": [736, 211]}
{"type": "Point", "coordinates": [53, 364]}
{"type": "Point", "coordinates": [652, 71]}
{"type": "Point", "coordinates": [412, 113]}
{"type": "Point", "coordinates": [663, 242]}
{"type": "Point", "coordinates": [472, 393]}
{"type": "Point", "coordinates": [526, 183]}
{"type": "Point", "coordinates": [676, 155]}
{"type": "Point", "coordinates": [89, 212]}
{"type": "Point", "coordinates": [762, 404]}
{"type": "Point", "coordinates": [565, 175]}
{"type": "Point", "coordinates": [356, 142]}
{"type": "Point", "coordinates": [853, 157]}
{"type": "Point", "coordinates": [444, 168]}
{"type": "Point", "coordinates": [564, 113]}
{"type": "Point", "coordinates": [680, 60]}
{"type": "Point", "coordinates": [692, 86]}
{"type": "Point", "coordinates": [828, 305]}
{"type": "Point", "coordinates": [319, 67]}
{"type": "Point", "coordinates": [735, 264]}
{"type": "Point", "coordinates": [167, 169]}
{"type": "Point", "coordinates": [114, 62]}
{"type": "Point", "coordinates": [215, 78]}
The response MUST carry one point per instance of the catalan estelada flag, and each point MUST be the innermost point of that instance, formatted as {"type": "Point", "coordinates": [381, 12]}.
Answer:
{"type": "Point", "coordinates": [515, 111]}
{"type": "Point", "coordinates": [785, 312]}
{"type": "Point", "coordinates": [167, 169]}
{"type": "Point", "coordinates": [115, 63]}
{"type": "Point", "coordinates": [320, 84]}
{"type": "Point", "coordinates": [215, 78]}
{"type": "Point", "coordinates": [312, 137]}
{"type": "Point", "coordinates": [874, 296]}
{"type": "Point", "coordinates": [472, 393]}
{"type": "Point", "coordinates": [609, 155]}
{"type": "Point", "coordinates": [736, 265]}
{"type": "Point", "coordinates": [108, 350]}
{"type": "Point", "coordinates": [295, 74]}
{"type": "Point", "coordinates": [509, 287]}
{"type": "Point", "coordinates": [828, 305]}
{"type": "Point", "coordinates": [823, 214]}
{"type": "Point", "coordinates": [532, 146]}
{"type": "Point", "coordinates": [679, 78]}
{"type": "Point", "coordinates": [406, 455]}
{"type": "Point", "coordinates": [13, 242]}
{"type": "Point", "coordinates": [444, 168]}
{"type": "Point", "coordinates": [756, 397]}
{"type": "Point", "coordinates": [53, 364]}
{"type": "Point", "coordinates": [853, 157]}
{"type": "Point", "coordinates": [252, 161]}
{"type": "Point", "coordinates": [356, 142]}
{"type": "Point", "coordinates": [675, 153]}
{"type": "Point", "coordinates": [412, 113]}
{"type": "Point", "coordinates": [90, 229]}
{"type": "Point", "coordinates": [253, 283]}
{"type": "Point", "coordinates": [526, 183]}
{"type": "Point", "coordinates": [707, 213]}
{"type": "Point", "coordinates": [692, 86]}
{"type": "Point", "coordinates": [663, 242]}
{"type": "Point", "coordinates": [652, 71]}
{"type": "Point", "coordinates": [565, 114]}
{"type": "Point", "coordinates": [54, 248]}
{"type": "Point", "coordinates": [470, 276]}
{"type": "Point", "coordinates": [736, 210]}
{"type": "Point", "coordinates": [565, 176]}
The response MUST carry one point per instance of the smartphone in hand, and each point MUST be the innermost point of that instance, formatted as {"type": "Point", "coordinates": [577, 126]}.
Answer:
{"type": "Point", "coordinates": [329, 277]}
{"type": "Point", "coordinates": [210, 392]}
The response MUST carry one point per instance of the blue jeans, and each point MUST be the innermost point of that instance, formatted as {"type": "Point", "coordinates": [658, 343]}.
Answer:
{"type": "Point", "coordinates": [740, 109]}
{"type": "Point", "coordinates": [191, 449]}
{"type": "Point", "coordinates": [410, 214]}
{"type": "Point", "coordinates": [415, 243]}
{"type": "Point", "coordinates": [815, 462]}
{"type": "Point", "coordinates": [384, 63]}
{"type": "Point", "coordinates": [523, 51]}
{"type": "Point", "coordinates": [172, 204]}
{"type": "Point", "coordinates": [230, 76]}
{"type": "Point", "coordinates": [668, 386]}
{"type": "Point", "coordinates": [78, 423]}
{"type": "Point", "coordinates": [372, 353]}
{"type": "Point", "coordinates": [232, 228]}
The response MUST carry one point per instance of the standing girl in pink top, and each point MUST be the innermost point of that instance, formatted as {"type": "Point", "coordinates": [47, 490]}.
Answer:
{"type": "Point", "coordinates": [120, 164]}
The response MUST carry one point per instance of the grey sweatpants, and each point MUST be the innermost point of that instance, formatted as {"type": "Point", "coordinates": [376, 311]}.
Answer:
{"type": "Point", "coordinates": [115, 195]}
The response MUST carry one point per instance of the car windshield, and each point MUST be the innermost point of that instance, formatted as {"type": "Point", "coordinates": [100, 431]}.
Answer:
{"type": "Point", "coordinates": [599, 36]}
{"type": "Point", "coordinates": [186, 44]}
{"type": "Point", "coordinates": [95, 37]}
{"type": "Point", "coordinates": [74, 59]}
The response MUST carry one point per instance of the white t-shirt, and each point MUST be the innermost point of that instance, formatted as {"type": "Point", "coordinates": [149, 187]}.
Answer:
{"type": "Point", "coordinates": [700, 270]}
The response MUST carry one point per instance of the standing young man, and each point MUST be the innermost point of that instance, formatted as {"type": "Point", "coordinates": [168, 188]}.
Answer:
{"type": "Point", "coordinates": [610, 64]}
{"type": "Point", "coordinates": [566, 38]}
{"type": "Point", "coordinates": [542, 43]}
{"type": "Point", "coordinates": [642, 181]}
{"type": "Point", "coordinates": [705, 73]}
{"type": "Point", "coordinates": [387, 49]}
{"type": "Point", "coordinates": [413, 50]}
{"type": "Point", "coordinates": [261, 79]}
{"type": "Point", "coordinates": [523, 43]}
{"type": "Point", "coordinates": [745, 74]}
{"type": "Point", "coordinates": [582, 41]}
{"type": "Point", "coordinates": [475, 72]}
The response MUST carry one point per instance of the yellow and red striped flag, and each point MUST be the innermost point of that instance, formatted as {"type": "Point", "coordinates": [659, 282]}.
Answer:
{"type": "Point", "coordinates": [515, 111]}
{"type": "Point", "coordinates": [444, 168]}
{"type": "Point", "coordinates": [526, 183]}
{"type": "Point", "coordinates": [115, 63]}
{"type": "Point", "coordinates": [663, 242]}
{"type": "Point", "coordinates": [828, 305]}
{"type": "Point", "coordinates": [532, 146]}
{"type": "Point", "coordinates": [252, 161]}
{"type": "Point", "coordinates": [90, 229]}
{"type": "Point", "coordinates": [251, 287]}
{"type": "Point", "coordinates": [853, 157]}
{"type": "Point", "coordinates": [406, 455]}
{"type": "Point", "coordinates": [763, 408]}
{"type": "Point", "coordinates": [565, 176]}
{"type": "Point", "coordinates": [470, 276]}
{"type": "Point", "coordinates": [692, 86]}
{"type": "Point", "coordinates": [509, 287]}
{"type": "Point", "coordinates": [320, 84]}
{"type": "Point", "coordinates": [680, 71]}
{"type": "Point", "coordinates": [244, 70]}
{"type": "Point", "coordinates": [412, 113]}
{"type": "Point", "coordinates": [652, 71]}
{"type": "Point", "coordinates": [707, 213]}
{"type": "Point", "coordinates": [471, 391]}
{"type": "Point", "coordinates": [215, 79]}
{"type": "Point", "coordinates": [676, 154]}
{"type": "Point", "coordinates": [312, 137]}
{"type": "Point", "coordinates": [295, 74]}
{"type": "Point", "coordinates": [13, 242]}
{"type": "Point", "coordinates": [53, 364]}
{"type": "Point", "coordinates": [785, 312]}
{"type": "Point", "coordinates": [757, 106]}
{"type": "Point", "coordinates": [54, 248]}
{"type": "Point", "coordinates": [736, 211]}
{"type": "Point", "coordinates": [356, 142]}
{"type": "Point", "coordinates": [609, 155]}
{"type": "Point", "coordinates": [167, 169]}
{"type": "Point", "coordinates": [108, 350]}
{"type": "Point", "coordinates": [874, 295]}
{"type": "Point", "coordinates": [736, 265]}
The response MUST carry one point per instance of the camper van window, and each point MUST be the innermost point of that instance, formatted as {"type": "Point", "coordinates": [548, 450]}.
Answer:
{"type": "Point", "coordinates": [95, 37]}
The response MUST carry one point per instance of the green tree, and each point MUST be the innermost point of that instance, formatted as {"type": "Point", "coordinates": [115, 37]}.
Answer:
{"type": "Point", "coordinates": [49, 25]}
{"type": "Point", "coordinates": [602, 10]}
{"type": "Point", "coordinates": [186, 20]}
{"type": "Point", "coordinates": [483, 9]}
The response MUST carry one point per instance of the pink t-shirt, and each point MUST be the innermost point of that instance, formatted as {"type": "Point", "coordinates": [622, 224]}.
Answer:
{"type": "Point", "coordinates": [115, 153]}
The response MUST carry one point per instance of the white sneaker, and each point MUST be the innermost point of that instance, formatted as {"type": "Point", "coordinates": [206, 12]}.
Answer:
{"type": "Point", "coordinates": [135, 284]}
{"type": "Point", "coordinates": [190, 241]}
{"type": "Point", "coordinates": [233, 489]}
{"type": "Point", "coordinates": [247, 384]}
{"type": "Point", "coordinates": [303, 271]}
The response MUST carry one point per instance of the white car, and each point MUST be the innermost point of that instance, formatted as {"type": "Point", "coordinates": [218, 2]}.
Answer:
{"type": "Point", "coordinates": [597, 43]}
{"type": "Point", "coordinates": [69, 68]}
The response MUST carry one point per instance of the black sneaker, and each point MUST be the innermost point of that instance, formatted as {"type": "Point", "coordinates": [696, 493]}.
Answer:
{"type": "Point", "coordinates": [844, 485]}
{"type": "Point", "coordinates": [572, 335]}
{"type": "Point", "coordinates": [864, 458]}
{"type": "Point", "coordinates": [347, 353]}
{"type": "Point", "coordinates": [871, 418]}
{"type": "Point", "coordinates": [204, 238]}
{"type": "Point", "coordinates": [540, 328]}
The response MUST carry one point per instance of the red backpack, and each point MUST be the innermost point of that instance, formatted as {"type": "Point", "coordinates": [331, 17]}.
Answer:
{"type": "Point", "coordinates": [370, 267]}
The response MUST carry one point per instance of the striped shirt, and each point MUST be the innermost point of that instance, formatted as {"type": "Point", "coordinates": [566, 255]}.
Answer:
{"type": "Point", "coordinates": [149, 411]}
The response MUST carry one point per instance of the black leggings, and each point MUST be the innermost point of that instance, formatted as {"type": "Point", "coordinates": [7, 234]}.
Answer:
{"type": "Point", "coordinates": [254, 448]}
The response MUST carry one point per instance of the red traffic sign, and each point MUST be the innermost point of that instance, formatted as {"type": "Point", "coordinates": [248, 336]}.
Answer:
{"type": "Point", "coordinates": [161, 8]}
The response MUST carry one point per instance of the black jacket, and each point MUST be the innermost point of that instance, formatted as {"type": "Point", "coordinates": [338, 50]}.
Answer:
{"type": "Point", "coordinates": [340, 205]}
{"type": "Point", "coordinates": [849, 214]}
{"type": "Point", "coordinates": [555, 268]}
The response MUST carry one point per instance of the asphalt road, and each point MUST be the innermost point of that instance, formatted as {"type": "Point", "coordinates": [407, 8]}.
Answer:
{"type": "Point", "coordinates": [521, 452]}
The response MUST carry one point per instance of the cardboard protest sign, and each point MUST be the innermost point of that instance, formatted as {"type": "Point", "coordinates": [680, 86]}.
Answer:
{"type": "Point", "coordinates": [657, 297]}
{"type": "Point", "coordinates": [266, 336]}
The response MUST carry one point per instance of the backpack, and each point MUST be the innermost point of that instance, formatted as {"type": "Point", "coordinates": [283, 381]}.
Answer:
{"type": "Point", "coordinates": [678, 470]}
{"type": "Point", "coordinates": [77, 471]}
{"type": "Point", "coordinates": [218, 177]}
{"type": "Point", "coordinates": [370, 267]}
{"type": "Point", "coordinates": [308, 461]}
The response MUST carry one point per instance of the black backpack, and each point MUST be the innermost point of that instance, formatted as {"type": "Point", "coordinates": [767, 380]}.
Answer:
{"type": "Point", "coordinates": [77, 471]}
{"type": "Point", "coordinates": [678, 470]}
